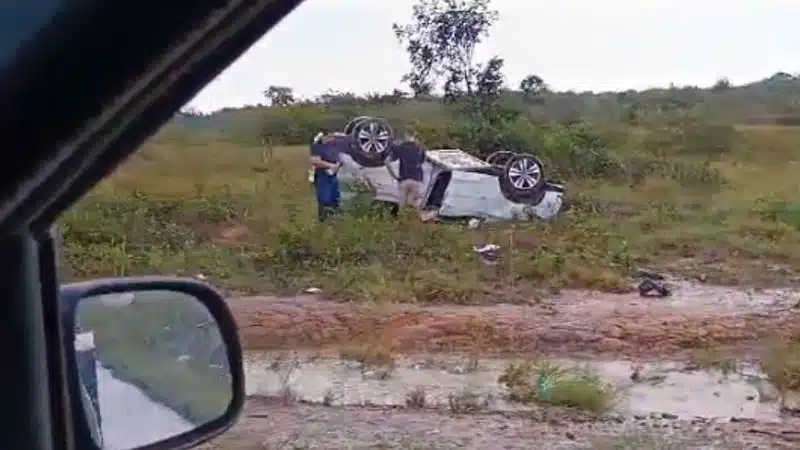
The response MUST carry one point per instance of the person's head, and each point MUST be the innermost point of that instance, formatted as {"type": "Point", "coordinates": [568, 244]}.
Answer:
{"type": "Point", "coordinates": [409, 134]}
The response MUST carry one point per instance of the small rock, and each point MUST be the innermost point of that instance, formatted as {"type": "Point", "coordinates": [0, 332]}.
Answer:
{"type": "Point", "coordinates": [739, 419]}
{"type": "Point", "coordinates": [669, 416]}
{"type": "Point", "coordinates": [751, 397]}
{"type": "Point", "coordinates": [570, 436]}
{"type": "Point", "coordinates": [313, 290]}
{"type": "Point", "coordinates": [652, 288]}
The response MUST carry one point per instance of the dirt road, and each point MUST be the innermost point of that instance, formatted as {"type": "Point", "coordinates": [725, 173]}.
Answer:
{"type": "Point", "coordinates": [269, 425]}
{"type": "Point", "coordinates": [578, 324]}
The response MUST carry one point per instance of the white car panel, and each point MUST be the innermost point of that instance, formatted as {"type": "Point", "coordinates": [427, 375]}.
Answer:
{"type": "Point", "coordinates": [469, 194]}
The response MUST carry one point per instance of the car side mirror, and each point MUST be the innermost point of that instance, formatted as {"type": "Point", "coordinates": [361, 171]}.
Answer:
{"type": "Point", "coordinates": [153, 363]}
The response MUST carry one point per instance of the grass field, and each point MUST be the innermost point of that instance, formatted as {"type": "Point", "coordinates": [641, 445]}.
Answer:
{"type": "Point", "coordinates": [193, 202]}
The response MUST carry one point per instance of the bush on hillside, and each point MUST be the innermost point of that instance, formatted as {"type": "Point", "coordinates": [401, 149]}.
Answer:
{"type": "Point", "coordinates": [570, 150]}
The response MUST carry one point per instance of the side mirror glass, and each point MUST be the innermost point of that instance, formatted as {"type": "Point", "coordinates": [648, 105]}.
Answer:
{"type": "Point", "coordinates": [155, 364]}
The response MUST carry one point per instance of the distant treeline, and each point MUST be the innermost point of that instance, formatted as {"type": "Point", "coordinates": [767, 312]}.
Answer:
{"type": "Point", "coordinates": [774, 100]}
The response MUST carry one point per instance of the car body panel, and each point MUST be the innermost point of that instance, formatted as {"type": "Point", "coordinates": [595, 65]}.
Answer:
{"type": "Point", "coordinates": [472, 189]}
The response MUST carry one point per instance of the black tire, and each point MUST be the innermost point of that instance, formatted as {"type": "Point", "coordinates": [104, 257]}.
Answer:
{"type": "Point", "coordinates": [522, 178]}
{"type": "Point", "coordinates": [348, 129]}
{"type": "Point", "coordinates": [371, 139]}
{"type": "Point", "coordinates": [500, 158]}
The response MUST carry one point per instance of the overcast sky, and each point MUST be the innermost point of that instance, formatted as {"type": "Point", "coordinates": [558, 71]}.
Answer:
{"type": "Point", "coordinates": [348, 45]}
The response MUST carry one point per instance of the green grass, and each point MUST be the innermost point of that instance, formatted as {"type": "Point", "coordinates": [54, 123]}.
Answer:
{"type": "Point", "coordinates": [571, 388]}
{"type": "Point", "coordinates": [780, 361]}
{"type": "Point", "coordinates": [193, 203]}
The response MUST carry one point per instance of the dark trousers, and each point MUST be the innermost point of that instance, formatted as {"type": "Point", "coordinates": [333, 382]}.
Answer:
{"type": "Point", "coordinates": [326, 188]}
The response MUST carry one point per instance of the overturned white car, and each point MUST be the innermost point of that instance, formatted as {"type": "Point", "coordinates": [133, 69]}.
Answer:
{"type": "Point", "coordinates": [505, 186]}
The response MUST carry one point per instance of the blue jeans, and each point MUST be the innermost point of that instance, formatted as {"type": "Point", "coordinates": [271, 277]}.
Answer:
{"type": "Point", "coordinates": [326, 188]}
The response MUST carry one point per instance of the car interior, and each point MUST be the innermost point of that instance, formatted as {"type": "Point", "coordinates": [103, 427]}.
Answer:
{"type": "Point", "coordinates": [82, 84]}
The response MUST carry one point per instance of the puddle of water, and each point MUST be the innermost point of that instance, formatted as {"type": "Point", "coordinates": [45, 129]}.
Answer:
{"type": "Point", "coordinates": [668, 387]}
{"type": "Point", "coordinates": [690, 296]}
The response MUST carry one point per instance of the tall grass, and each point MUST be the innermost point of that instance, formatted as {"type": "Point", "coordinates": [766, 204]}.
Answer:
{"type": "Point", "coordinates": [199, 203]}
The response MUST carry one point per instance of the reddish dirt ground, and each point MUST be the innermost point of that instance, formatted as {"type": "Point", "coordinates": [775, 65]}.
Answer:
{"type": "Point", "coordinates": [577, 324]}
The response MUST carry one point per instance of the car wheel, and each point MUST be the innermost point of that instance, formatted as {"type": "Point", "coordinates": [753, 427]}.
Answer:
{"type": "Point", "coordinates": [348, 129]}
{"type": "Point", "coordinates": [522, 178]}
{"type": "Point", "coordinates": [371, 140]}
{"type": "Point", "coordinates": [500, 158]}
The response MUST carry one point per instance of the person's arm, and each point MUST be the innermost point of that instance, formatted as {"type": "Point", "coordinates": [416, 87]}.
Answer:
{"type": "Point", "coordinates": [317, 161]}
{"type": "Point", "coordinates": [391, 157]}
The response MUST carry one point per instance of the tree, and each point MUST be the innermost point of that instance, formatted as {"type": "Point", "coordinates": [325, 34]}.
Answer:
{"type": "Point", "coordinates": [280, 96]}
{"type": "Point", "coordinates": [399, 94]}
{"type": "Point", "coordinates": [441, 40]}
{"type": "Point", "coordinates": [489, 88]}
{"type": "Point", "coordinates": [723, 84]}
{"type": "Point", "coordinates": [336, 98]}
{"type": "Point", "coordinates": [533, 87]}
{"type": "Point", "coordinates": [489, 82]}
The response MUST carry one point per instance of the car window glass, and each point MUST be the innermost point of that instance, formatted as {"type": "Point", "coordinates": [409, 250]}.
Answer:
{"type": "Point", "coordinates": [19, 21]}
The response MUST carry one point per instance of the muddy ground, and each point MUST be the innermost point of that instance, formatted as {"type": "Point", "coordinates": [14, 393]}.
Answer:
{"type": "Point", "coordinates": [579, 325]}
{"type": "Point", "coordinates": [572, 324]}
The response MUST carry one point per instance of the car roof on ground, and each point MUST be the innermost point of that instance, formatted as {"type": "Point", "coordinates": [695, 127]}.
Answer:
{"type": "Point", "coordinates": [456, 159]}
{"type": "Point", "coordinates": [83, 89]}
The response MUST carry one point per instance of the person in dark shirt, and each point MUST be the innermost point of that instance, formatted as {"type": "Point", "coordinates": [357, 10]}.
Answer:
{"type": "Point", "coordinates": [410, 175]}
{"type": "Point", "coordinates": [325, 160]}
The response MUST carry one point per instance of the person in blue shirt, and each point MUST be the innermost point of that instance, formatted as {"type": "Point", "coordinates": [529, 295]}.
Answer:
{"type": "Point", "coordinates": [325, 151]}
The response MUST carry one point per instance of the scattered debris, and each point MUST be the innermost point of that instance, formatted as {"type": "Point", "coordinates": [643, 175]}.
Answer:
{"type": "Point", "coordinates": [653, 285]}
{"type": "Point", "coordinates": [486, 248]}
{"type": "Point", "coordinates": [653, 288]}
{"type": "Point", "coordinates": [489, 254]}
{"type": "Point", "coordinates": [313, 290]}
